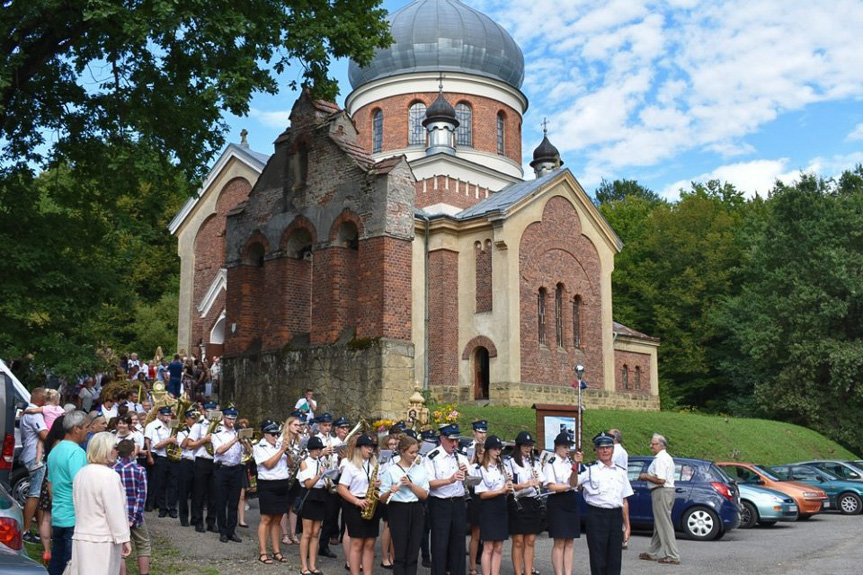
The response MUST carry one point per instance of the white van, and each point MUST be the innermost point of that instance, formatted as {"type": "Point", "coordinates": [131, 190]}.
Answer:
{"type": "Point", "coordinates": [13, 397]}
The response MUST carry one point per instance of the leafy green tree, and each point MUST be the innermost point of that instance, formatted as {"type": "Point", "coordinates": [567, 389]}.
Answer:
{"type": "Point", "coordinates": [619, 190]}
{"type": "Point", "coordinates": [796, 327]}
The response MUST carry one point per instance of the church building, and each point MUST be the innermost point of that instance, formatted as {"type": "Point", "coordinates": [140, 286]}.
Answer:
{"type": "Point", "coordinates": [397, 243]}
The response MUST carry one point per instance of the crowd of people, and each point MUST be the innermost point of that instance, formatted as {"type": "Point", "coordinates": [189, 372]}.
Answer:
{"type": "Point", "coordinates": [95, 475]}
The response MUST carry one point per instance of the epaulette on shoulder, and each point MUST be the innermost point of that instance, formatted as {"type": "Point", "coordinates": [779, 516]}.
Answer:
{"type": "Point", "coordinates": [478, 465]}
{"type": "Point", "coordinates": [433, 453]}
{"type": "Point", "coordinates": [551, 459]}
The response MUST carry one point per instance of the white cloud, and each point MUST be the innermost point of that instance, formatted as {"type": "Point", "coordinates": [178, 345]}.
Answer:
{"type": "Point", "coordinates": [856, 134]}
{"type": "Point", "coordinates": [277, 119]}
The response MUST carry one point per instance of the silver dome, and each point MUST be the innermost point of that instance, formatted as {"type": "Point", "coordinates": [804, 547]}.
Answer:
{"type": "Point", "coordinates": [444, 36]}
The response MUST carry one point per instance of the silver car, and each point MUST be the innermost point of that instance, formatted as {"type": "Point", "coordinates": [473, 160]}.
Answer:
{"type": "Point", "coordinates": [764, 506]}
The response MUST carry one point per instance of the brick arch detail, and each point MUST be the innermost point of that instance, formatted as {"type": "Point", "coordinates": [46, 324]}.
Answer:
{"type": "Point", "coordinates": [344, 217]}
{"type": "Point", "coordinates": [256, 237]}
{"type": "Point", "coordinates": [479, 341]}
{"type": "Point", "coordinates": [236, 190]}
{"type": "Point", "coordinates": [300, 222]}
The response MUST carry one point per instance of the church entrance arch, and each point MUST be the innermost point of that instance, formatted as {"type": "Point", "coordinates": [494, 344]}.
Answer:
{"type": "Point", "coordinates": [480, 373]}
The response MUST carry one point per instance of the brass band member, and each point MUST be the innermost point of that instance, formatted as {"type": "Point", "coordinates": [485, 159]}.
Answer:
{"type": "Point", "coordinates": [564, 523]}
{"type": "Point", "coordinates": [157, 436]}
{"type": "Point", "coordinates": [204, 488]}
{"type": "Point", "coordinates": [403, 488]}
{"type": "Point", "coordinates": [292, 437]}
{"type": "Point", "coordinates": [474, 451]}
{"type": "Point", "coordinates": [273, 474]}
{"type": "Point", "coordinates": [524, 518]}
{"type": "Point", "coordinates": [390, 443]}
{"type": "Point", "coordinates": [313, 506]}
{"type": "Point", "coordinates": [354, 483]}
{"type": "Point", "coordinates": [229, 475]}
{"type": "Point", "coordinates": [330, 527]}
{"type": "Point", "coordinates": [187, 465]}
{"type": "Point", "coordinates": [492, 492]}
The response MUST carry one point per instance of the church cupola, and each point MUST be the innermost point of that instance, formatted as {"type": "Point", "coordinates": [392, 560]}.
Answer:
{"type": "Point", "coordinates": [546, 158]}
{"type": "Point", "coordinates": [441, 123]}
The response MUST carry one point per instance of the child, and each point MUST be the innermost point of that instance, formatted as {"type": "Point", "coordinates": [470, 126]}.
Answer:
{"type": "Point", "coordinates": [50, 411]}
{"type": "Point", "coordinates": [135, 483]}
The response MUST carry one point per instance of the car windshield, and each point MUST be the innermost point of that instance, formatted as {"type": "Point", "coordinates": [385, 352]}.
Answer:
{"type": "Point", "coordinates": [768, 474]}
{"type": "Point", "coordinates": [780, 473]}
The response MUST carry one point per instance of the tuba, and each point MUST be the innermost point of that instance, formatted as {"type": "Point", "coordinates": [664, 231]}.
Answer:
{"type": "Point", "coordinates": [172, 450]}
{"type": "Point", "coordinates": [215, 420]}
{"type": "Point", "coordinates": [372, 495]}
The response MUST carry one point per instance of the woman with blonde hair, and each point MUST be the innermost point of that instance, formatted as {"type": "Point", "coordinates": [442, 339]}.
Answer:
{"type": "Point", "coordinates": [292, 436]}
{"type": "Point", "coordinates": [101, 539]}
{"type": "Point", "coordinates": [354, 487]}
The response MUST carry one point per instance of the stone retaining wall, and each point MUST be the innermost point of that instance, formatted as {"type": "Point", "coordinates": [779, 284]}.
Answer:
{"type": "Point", "coordinates": [526, 394]}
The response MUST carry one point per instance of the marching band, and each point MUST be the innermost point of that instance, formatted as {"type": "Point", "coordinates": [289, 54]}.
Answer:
{"type": "Point", "coordinates": [317, 471]}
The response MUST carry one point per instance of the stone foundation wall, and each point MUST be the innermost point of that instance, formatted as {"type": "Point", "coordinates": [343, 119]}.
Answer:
{"type": "Point", "coordinates": [371, 378]}
{"type": "Point", "coordinates": [526, 394]}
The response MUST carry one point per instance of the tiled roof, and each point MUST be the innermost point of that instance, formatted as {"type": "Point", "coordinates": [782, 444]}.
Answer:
{"type": "Point", "coordinates": [504, 199]}
{"type": "Point", "coordinates": [621, 329]}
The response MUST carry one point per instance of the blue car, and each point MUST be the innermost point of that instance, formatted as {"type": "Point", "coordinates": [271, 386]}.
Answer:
{"type": "Point", "coordinates": [765, 506]}
{"type": "Point", "coordinates": [706, 505]}
{"type": "Point", "coordinates": [845, 495]}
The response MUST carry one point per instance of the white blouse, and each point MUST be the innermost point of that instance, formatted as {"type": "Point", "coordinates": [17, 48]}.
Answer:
{"type": "Point", "coordinates": [264, 451]}
{"type": "Point", "coordinates": [357, 478]}
{"type": "Point", "coordinates": [524, 473]}
{"type": "Point", "coordinates": [558, 470]}
{"type": "Point", "coordinates": [492, 479]}
{"type": "Point", "coordinates": [313, 467]}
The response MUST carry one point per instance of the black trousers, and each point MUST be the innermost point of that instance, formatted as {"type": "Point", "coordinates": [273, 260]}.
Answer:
{"type": "Point", "coordinates": [184, 490]}
{"type": "Point", "coordinates": [448, 529]}
{"type": "Point", "coordinates": [203, 489]}
{"type": "Point", "coordinates": [425, 548]}
{"type": "Point", "coordinates": [407, 521]}
{"type": "Point", "coordinates": [604, 540]}
{"type": "Point", "coordinates": [229, 482]}
{"type": "Point", "coordinates": [165, 482]}
{"type": "Point", "coordinates": [330, 526]}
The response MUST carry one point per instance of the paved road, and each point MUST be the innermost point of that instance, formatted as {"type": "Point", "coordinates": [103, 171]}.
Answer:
{"type": "Point", "coordinates": [828, 544]}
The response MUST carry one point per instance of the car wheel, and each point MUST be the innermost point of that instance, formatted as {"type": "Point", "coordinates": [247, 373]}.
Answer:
{"type": "Point", "coordinates": [748, 515]}
{"type": "Point", "coordinates": [767, 523]}
{"type": "Point", "coordinates": [20, 482]}
{"type": "Point", "coordinates": [850, 504]}
{"type": "Point", "coordinates": [701, 524]}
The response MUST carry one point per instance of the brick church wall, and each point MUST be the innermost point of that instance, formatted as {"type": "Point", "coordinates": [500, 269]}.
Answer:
{"type": "Point", "coordinates": [482, 260]}
{"type": "Point", "coordinates": [384, 292]}
{"type": "Point", "coordinates": [443, 325]}
{"type": "Point", "coordinates": [553, 251]}
{"type": "Point", "coordinates": [446, 190]}
{"type": "Point", "coordinates": [632, 360]}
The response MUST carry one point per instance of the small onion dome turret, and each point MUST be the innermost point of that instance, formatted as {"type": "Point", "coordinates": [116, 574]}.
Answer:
{"type": "Point", "coordinates": [440, 111]}
{"type": "Point", "coordinates": [546, 158]}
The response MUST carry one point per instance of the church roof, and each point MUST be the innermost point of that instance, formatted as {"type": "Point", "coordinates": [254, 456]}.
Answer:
{"type": "Point", "coordinates": [444, 36]}
{"type": "Point", "coordinates": [505, 198]}
{"type": "Point", "coordinates": [620, 329]}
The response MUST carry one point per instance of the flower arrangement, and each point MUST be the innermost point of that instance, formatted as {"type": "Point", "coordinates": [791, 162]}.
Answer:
{"type": "Point", "coordinates": [445, 414]}
{"type": "Point", "coordinates": [383, 425]}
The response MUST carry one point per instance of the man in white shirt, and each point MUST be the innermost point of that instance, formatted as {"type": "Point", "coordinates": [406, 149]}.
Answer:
{"type": "Point", "coordinates": [204, 486]}
{"type": "Point", "coordinates": [307, 404]}
{"type": "Point", "coordinates": [620, 457]}
{"type": "Point", "coordinates": [660, 475]}
{"type": "Point", "coordinates": [447, 516]}
{"type": "Point", "coordinates": [228, 453]}
{"type": "Point", "coordinates": [157, 436]}
{"type": "Point", "coordinates": [33, 432]}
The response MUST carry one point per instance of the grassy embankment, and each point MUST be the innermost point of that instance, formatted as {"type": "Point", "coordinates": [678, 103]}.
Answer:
{"type": "Point", "coordinates": [689, 435]}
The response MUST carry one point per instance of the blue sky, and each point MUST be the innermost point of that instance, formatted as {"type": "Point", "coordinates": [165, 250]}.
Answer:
{"type": "Point", "coordinates": [666, 92]}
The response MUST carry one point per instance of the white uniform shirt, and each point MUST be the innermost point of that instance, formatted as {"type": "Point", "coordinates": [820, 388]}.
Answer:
{"type": "Point", "coordinates": [557, 470]}
{"type": "Point", "coordinates": [302, 403]}
{"type": "Point", "coordinates": [662, 467]}
{"type": "Point", "coordinates": [492, 479]}
{"type": "Point", "coordinates": [357, 478]}
{"type": "Point", "coordinates": [109, 414]}
{"type": "Point", "coordinates": [185, 454]}
{"type": "Point", "coordinates": [604, 486]}
{"type": "Point", "coordinates": [440, 465]}
{"type": "Point", "coordinates": [405, 494]}
{"type": "Point", "coordinates": [233, 455]}
{"type": "Point", "coordinates": [313, 467]}
{"type": "Point", "coordinates": [524, 473]}
{"type": "Point", "coordinates": [620, 457]}
{"type": "Point", "coordinates": [157, 432]}
{"type": "Point", "coordinates": [264, 451]}
{"type": "Point", "coordinates": [198, 431]}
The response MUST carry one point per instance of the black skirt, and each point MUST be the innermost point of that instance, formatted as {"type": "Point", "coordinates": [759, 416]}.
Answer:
{"type": "Point", "coordinates": [295, 491]}
{"type": "Point", "coordinates": [358, 527]}
{"type": "Point", "coordinates": [564, 520]}
{"type": "Point", "coordinates": [314, 506]}
{"type": "Point", "coordinates": [473, 509]}
{"type": "Point", "coordinates": [273, 496]}
{"type": "Point", "coordinates": [493, 522]}
{"type": "Point", "coordinates": [528, 519]}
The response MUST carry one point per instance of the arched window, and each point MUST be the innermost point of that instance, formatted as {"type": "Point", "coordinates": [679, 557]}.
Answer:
{"type": "Point", "coordinates": [540, 314]}
{"type": "Point", "coordinates": [500, 133]}
{"type": "Point", "coordinates": [464, 132]}
{"type": "Point", "coordinates": [576, 321]}
{"type": "Point", "coordinates": [637, 377]}
{"type": "Point", "coordinates": [255, 255]}
{"type": "Point", "coordinates": [377, 131]}
{"type": "Point", "coordinates": [625, 377]}
{"type": "Point", "coordinates": [558, 314]}
{"type": "Point", "coordinates": [416, 131]}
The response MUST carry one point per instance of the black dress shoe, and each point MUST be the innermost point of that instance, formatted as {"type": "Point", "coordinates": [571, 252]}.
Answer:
{"type": "Point", "coordinates": [327, 553]}
{"type": "Point", "coordinates": [233, 537]}
{"type": "Point", "coordinates": [200, 529]}
{"type": "Point", "coordinates": [184, 523]}
{"type": "Point", "coordinates": [212, 529]}
{"type": "Point", "coordinates": [223, 538]}
{"type": "Point", "coordinates": [426, 563]}
{"type": "Point", "coordinates": [163, 514]}
{"type": "Point", "coordinates": [174, 514]}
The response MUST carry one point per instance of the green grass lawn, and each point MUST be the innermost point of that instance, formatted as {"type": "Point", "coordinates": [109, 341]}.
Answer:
{"type": "Point", "coordinates": [689, 435]}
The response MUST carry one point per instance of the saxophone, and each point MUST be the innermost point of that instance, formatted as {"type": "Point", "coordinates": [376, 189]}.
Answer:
{"type": "Point", "coordinates": [371, 495]}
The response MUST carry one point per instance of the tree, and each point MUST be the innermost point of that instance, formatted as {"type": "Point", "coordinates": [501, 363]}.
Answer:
{"type": "Point", "coordinates": [796, 328]}
{"type": "Point", "coordinates": [109, 111]}
{"type": "Point", "coordinates": [619, 190]}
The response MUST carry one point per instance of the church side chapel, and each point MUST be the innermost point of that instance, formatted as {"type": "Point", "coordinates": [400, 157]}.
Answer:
{"type": "Point", "coordinates": [397, 244]}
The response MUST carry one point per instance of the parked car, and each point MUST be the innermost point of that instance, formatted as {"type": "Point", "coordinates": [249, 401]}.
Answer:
{"type": "Point", "coordinates": [7, 427]}
{"type": "Point", "coordinates": [810, 500]}
{"type": "Point", "coordinates": [706, 502]}
{"type": "Point", "coordinates": [842, 469]}
{"type": "Point", "coordinates": [14, 397]}
{"type": "Point", "coordinates": [13, 557]}
{"type": "Point", "coordinates": [846, 496]}
{"type": "Point", "coordinates": [16, 564]}
{"type": "Point", "coordinates": [764, 506]}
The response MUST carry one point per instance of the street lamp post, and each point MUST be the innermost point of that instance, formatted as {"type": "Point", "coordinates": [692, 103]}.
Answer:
{"type": "Point", "coordinates": [579, 373]}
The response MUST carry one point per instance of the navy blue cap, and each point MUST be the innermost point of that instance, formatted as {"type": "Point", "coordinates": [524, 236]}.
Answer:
{"type": "Point", "coordinates": [364, 440]}
{"type": "Point", "coordinates": [450, 431]}
{"type": "Point", "coordinates": [603, 440]}
{"type": "Point", "coordinates": [315, 443]}
{"type": "Point", "coordinates": [230, 412]}
{"type": "Point", "coordinates": [269, 426]}
{"type": "Point", "coordinates": [564, 438]}
{"type": "Point", "coordinates": [324, 418]}
{"type": "Point", "coordinates": [524, 438]}
{"type": "Point", "coordinates": [411, 433]}
{"type": "Point", "coordinates": [342, 422]}
{"type": "Point", "coordinates": [493, 442]}
{"type": "Point", "coordinates": [428, 435]}
{"type": "Point", "coordinates": [166, 410]}
{"type": "Point", "coordinates": [210, 405]}
{"type": "Point", "coordinates": [481, 426]}
{"type": "Point", "coordinates": [192, 413]}
{"type": "Point", "coordinates": [398, 427]}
